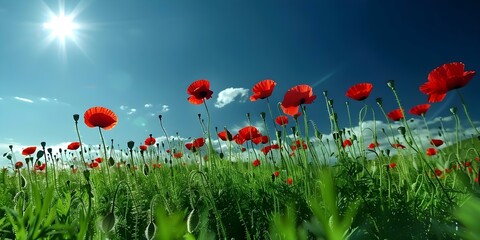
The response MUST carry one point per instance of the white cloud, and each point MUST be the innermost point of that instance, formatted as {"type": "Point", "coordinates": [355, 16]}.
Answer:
{"type": "Point", "coordinates": [44, 99]}
{"type": "Point", "coordinates": [1, 98]}
{"type": "Point", "coordinates": [148, 105]}
{"type": "Point", "coordinates": [228, 95]}
{"type": "Point", "coordinates": [165, 108]}
{"type": "Point", "coordinates": [132, 111]}
{"type": "Point", "coordinates": [123, 107]}
{"type": "Point", "coordinates": [23, 99]}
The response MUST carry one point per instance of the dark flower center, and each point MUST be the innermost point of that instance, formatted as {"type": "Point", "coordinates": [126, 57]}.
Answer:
{"type": "Point", "coordinates": [202, 94]}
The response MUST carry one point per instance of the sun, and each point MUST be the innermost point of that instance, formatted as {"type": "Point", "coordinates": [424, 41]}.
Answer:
{"type": "Point", "coordinates": [61, 26]}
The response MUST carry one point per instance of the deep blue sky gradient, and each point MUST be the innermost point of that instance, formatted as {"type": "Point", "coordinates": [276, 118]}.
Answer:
{"type": "Point", "coordinates": [131, 53]}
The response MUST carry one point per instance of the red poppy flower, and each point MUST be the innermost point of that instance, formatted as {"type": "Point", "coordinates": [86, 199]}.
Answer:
{"type": "Point", "coordinates": [281, 120]}
{"type": "Point", "coordinates": [243, 149]}
{"type": "Point", "coordinates": [239, 139]}
{"type": "Point", "coordinates": [143, 147]}
{"type": "Point", "coordinates": [150, 141]}
{"type": "Point", "coordinates": [276, 173]}
{"type": "Point", "coordinates": [199, 142]}
{"type": "Point", "coordinates": [260, 139]}
{"type": "Point", "coordinates": [225, 135]}
{"type": "Point", "coordinates": [431, 151]}
{"type": "Point", "coordinates": [300, 143]}
{"type": "Point", "coordinates": [29, 151]}
{"type": "Point", "coordinates": [256, 163]}
{"type": "Point", "coordinates": [189, 146]}
{"type": "Point", "coordinates": [18, 165]}
{"type": "Point", "coordinates": [289, 181]}
{"type": "Point", "coordinates": [419, 110]}
{"type": "Point", "coordinates": [249, 133]}
{"type": "Point", "coordinates": [392, 165]}
{"type": "Point", "coordinates": [73, 146]}
{"type": "Point", "coordinates": [359, 91]}
{"type": "Point", "coordinates": [445, 78]}
{"type": "Point", "coordinates": [40, 167]}
{"type": "Point", "coordinates": [99, 160]}
{"type": "Point", "coordinates": [436, 142]}
{"type": "Point", "coordinates": [295, 96]}
{"type": "Point", "coordinates": [93, 165]}
{"type": "Point", "coordinates": [347, 143]}
{"type": "Point", "coordinates": [199, 91]}
{"type": "Point", "coordinates": [265, 150]}
{"type": "Point", "coordinates": [262, 89]}
{"type": "Point", "coordinates": [372, 145]}
{"type": "Point", "coordinates": [100, 117]}
{"type": "Point", "coordinates": [438, 172]}
{"type": "Point", "coordinates": [395, 115]}
{"type": "Point", "coordinates": [398, 146]}
{"type": "Point", "coordinates": [178, 155]}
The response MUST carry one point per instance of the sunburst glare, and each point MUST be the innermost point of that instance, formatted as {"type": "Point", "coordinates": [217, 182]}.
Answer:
{"type": "Point", "coordinates": [62, 27]}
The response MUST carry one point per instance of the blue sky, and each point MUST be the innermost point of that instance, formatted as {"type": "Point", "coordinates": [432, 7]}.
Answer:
{"type": "Point", "coordinates": [138, 58]}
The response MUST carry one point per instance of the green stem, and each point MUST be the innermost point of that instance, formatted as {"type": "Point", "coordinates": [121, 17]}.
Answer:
{"type": "Point", "coordinates": [464, 105]}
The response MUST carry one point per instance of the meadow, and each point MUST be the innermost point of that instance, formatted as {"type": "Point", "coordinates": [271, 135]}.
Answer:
{"type": "Point", "coordinates": [296, 183]}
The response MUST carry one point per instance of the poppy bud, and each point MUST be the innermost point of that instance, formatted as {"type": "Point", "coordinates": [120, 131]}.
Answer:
{"type": "Point", "coordinates": [160, 117]}
{"type": "Point", "coordinates": [262, 115]}
{"type": "Point", "coordinates": [279, 135]}
{"type": "Point", "coordinates": [43, 144]}
{"type": "Point", "coordinates": [387, 152]}
{"type": "Point", "coordinates": [49, 150]}
{"type": "Point", "coordinates": [325, 93]}
{"type": "Point", "coordinates": [346, 103]}
{"type": "Point", "coordinates": [453, 110]}
{"type": "Point", "coordinates": [199, 115]}
{"type": "Point", "coordinates": [379, 101]}
{"type": "Point", "coordinates": [108, 222]}
{"type": "Point", "coordinates": [11, 147]}
{"type": "Point", "coordinates": [130, 144]}
{"type": "Point", "coordinates": [401, 130]}
{"type": "Point", "coordinates": [391, 84]}
{"type": "Point", "coordinates": [76, 117]}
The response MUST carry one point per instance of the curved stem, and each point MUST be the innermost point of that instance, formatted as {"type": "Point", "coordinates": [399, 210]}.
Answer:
{"type": "Point", "coordinates": [466, 111]}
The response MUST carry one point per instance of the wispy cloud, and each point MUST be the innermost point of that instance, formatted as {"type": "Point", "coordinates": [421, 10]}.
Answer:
{"type": "Point", "coordinates": [148, 105]}
{"type": "Point", "coordinates": [123, 107]}
{"type": "Point", "coordinates": [165, 108]}
{"type": "Point", "coordinates": [23, 99]}
{"type": "Point", "coordinates": [132, 111]}
{"type": "Point", "coordinates": [229, 95]}
{"type": "Point", "coordinates": [1, 98]}
{"type": "Point", "coordinates": [52, 100]}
